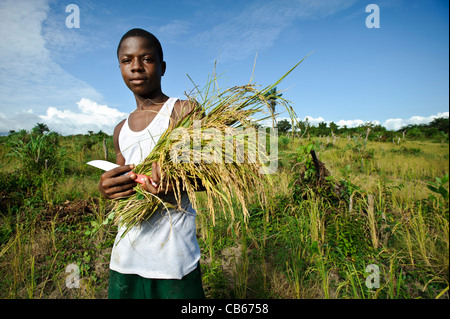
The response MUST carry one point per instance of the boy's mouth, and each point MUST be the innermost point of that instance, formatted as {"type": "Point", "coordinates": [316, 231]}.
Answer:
{"type": "Point", "coordinates": [138, 80]}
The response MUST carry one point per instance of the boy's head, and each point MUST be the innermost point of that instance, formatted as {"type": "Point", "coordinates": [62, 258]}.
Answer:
{"type": "Point", "coordinates": [141, 63]}
{"type": "Point", "coordinates": [153, 41]}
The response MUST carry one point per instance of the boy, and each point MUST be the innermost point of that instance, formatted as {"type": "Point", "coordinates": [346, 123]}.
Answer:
{"type": "Point", "coordinates": [160, 258]}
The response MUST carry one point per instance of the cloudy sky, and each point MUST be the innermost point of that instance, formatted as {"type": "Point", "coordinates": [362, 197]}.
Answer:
{"type": "Point", "coordinates": [69, 78]}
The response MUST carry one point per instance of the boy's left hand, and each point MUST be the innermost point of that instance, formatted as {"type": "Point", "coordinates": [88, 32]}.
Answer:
{"type": "Point", "coordinates": [157, 177]}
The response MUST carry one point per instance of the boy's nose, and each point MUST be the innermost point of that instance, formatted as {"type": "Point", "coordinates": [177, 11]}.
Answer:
{"type": "Point", "coordinates": [136, 65]}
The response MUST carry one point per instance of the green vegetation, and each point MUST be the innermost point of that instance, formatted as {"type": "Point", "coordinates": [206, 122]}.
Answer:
{"type": "Point", "coordinates": [437, 130]}
{"type": "Point", "coordinates": [365, 201]}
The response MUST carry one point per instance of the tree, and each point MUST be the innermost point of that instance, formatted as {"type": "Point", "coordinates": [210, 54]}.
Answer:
{"type": "Point", "coordinates": [272, 95]}
{"type": "Point", "coordinates": [40, 128]}
{"type": "Point", "coordinates": [438, 128]}
{"type": "Point", "coordinates": [283, 126]}
{"type": "Point", "coordinates": [334, 127]}
{"type": "Point", "coordinates": [441, 123]}
{"type": "Point", "coordinates": [322, 128]}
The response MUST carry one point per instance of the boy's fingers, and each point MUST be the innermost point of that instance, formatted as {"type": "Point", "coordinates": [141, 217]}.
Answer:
{"type": "Point", "coordinates": [118, 182]}
{"type": "Point", "coordinates": [149, 187]}
{"type": "Point", "coordinates": [120, 170]}
{"type": "Point", "coordinates": [108, 182]}
{"type": "Point", "coordinates": [123, 194]}
{"type": "Point", "coordinates": [156, 176]}
{"type": "Point", "coordinates": [119, 191]}
{"type": "Point", "coordinates": [117, 176]}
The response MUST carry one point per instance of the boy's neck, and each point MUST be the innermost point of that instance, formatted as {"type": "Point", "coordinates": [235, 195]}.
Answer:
{"type": "Point", "coordinates": [145, 103]}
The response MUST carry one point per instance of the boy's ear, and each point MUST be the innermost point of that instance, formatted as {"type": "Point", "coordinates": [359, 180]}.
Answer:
{"type": "Point", "coordinates": [163, 68]}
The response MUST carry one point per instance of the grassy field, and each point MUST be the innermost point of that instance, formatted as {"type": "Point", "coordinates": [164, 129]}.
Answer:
{"type": "Point", "coordinates": [371, 226]}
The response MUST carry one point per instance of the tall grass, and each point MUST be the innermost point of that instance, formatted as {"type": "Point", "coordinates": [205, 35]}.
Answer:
{"type": "Point", "coordinates": [326, 243]}
{"type": "Point", "coordinates": [306, 242]}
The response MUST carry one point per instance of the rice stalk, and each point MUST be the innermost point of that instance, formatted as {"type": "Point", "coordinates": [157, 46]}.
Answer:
{"type": "Point", "coordinates": [216, 146]}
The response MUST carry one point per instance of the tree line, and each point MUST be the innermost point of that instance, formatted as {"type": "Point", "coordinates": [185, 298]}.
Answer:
{"type": "Point", "coordinates": [436, 129]}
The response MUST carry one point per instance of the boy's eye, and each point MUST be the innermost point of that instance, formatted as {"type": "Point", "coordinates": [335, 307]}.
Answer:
{"type": "Point", "coordinates": [126, 60]}
{"type": "Point", "coordinates": [148, 60]}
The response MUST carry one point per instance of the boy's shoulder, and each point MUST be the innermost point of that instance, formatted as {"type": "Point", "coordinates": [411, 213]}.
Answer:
{"type": "Point", "coordinates": [182, 108]}
{"type": "Point", "coordinates": [182, 104]}
{"type": "Point", "coordinates": [116, 138]}
{"type": "Point", "coordinates": [120, 124]}
{"type": "Point", "coordinates": [118, 128]}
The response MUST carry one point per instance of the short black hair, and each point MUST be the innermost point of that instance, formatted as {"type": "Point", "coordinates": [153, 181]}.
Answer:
{"type": "Point", "coordinates": [136, 32]}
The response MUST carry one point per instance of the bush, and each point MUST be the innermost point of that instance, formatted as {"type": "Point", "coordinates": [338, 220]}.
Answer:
{"type": "Point", "coordinates": [283, 142]}
{"type": "Point", "coordinates": [41, 152]}
{"type": "Point", "coordinates": [283, 126]}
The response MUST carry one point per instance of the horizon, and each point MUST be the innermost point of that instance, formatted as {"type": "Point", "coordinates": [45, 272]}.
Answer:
{"type": "Point", "coordinates": [313, 122]}
{"type": "Point", "coordinates": [389, 67]}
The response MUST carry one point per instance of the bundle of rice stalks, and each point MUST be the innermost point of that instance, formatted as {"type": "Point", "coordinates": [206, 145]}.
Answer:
{"type": "Point", "coordinates": [216, 146]}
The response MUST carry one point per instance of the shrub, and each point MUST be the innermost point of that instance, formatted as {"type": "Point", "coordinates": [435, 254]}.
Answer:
{"type": "Point", "coordinates": [41, 152]}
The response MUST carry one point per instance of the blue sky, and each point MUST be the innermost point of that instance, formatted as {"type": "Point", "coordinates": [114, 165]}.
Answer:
{"type": "Point", "coordinates": [69, 78]}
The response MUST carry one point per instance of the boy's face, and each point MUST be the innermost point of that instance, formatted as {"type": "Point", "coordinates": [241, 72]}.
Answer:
{"type": "Point", "coordinates": [141, 67]}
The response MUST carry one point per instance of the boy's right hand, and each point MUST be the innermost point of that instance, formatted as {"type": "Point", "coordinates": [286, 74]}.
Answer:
{"type": "Point", "coordinates": [116, 183]}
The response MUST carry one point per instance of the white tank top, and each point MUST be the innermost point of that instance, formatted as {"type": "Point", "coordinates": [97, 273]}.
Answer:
{"type": "Point", "coordinates": [164, 246]}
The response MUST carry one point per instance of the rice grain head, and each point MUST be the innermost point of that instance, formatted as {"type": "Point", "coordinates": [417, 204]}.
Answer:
{"type": "Point", "coordinates": [223, 175]}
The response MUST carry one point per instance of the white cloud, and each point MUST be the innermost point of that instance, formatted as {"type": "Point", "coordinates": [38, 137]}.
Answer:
{"type": "Point", "coordinates": [349, 123]}
{"type": "Point", "coordinates": [89, 116]}
{"type": "Point", "coordinates": [396, 124]}
{"type": "Point", "coordinates": [314, 121]}
{"type": "Point", "coordinates": [29, 78]}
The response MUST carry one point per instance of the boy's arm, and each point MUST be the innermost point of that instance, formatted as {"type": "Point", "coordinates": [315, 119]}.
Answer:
{"type": "Point", "coordinates": [115, 183]}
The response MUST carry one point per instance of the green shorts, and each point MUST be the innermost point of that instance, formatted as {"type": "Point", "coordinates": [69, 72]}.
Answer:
{"type": "Point", "coordinates": [123, 286]}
